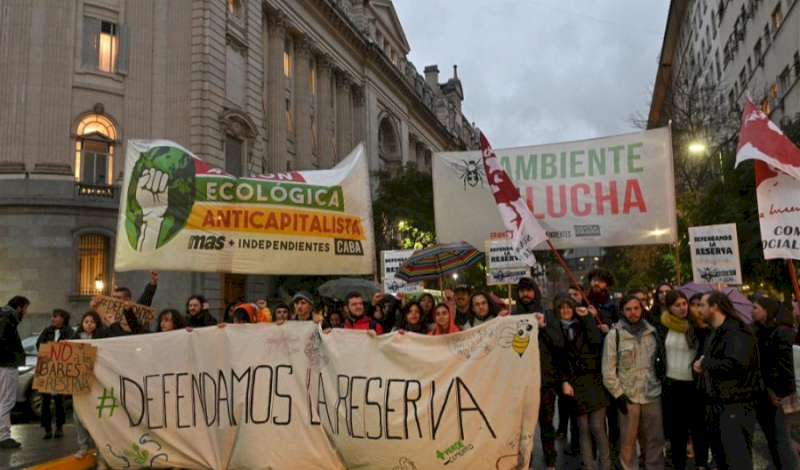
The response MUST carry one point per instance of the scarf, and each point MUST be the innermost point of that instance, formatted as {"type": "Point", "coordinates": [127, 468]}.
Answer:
{"type": "Point", "coordinates": [674, 323]}
{"type": "Point", "coordinates": [636, 329]}
{"type": "Point", "coordinates": [566, 325]}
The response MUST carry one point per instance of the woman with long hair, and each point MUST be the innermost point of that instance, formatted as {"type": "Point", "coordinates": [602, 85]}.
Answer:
{"type": "Point", "coordinates": [659, 303]}
{"type": "Point", "coordinates": [580, 365]}
{"type": "Point", "coordinates": [481, 310]}
{"type": "Point", "coordinates": [444, 321]}
{"type": "Point", "coordinates": [426, 304]}
{"type": "Point", "coordinates": [775, 332]}
{"type": "Point", "coordinates": [684, 407]}
{"type": "Point", "coordinates": [411, 319]}
{"type": "Point", "coordinates": [170, 319]}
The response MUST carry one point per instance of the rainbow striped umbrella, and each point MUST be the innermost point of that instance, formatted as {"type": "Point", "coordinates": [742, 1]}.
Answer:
{"type": "Point", "coordinates": [438, 260]}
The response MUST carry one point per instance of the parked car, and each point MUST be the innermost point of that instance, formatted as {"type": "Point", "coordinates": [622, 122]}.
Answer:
{"type": "Point", "coordinates": [28, 399]}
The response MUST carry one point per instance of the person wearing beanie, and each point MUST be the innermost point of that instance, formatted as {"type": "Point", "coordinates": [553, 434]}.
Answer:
{"type": "Point", "coordinates": [303, 304]}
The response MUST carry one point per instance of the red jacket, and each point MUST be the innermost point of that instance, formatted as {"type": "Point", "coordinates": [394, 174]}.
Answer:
{"type": "Point", "coordinates": [364, 323]}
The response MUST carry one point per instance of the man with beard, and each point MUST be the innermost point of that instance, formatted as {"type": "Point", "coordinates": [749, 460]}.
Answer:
{"type": "Point", "coordinates": [602, 307]}
{"type": "Point", "coordinates": [12, 355]}
{"type": "Point", "coordinates": [461, 296]}
{"type": "Point", "coordinates": [529, 301]}
{"type": "Point", "coordinates": [633, 367]}
{"type": "Point", "coordinates": [729, 367]}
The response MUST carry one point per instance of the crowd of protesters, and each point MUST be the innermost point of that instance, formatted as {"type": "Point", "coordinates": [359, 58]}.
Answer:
{"type": "Point", "coordinates": [639, 384]}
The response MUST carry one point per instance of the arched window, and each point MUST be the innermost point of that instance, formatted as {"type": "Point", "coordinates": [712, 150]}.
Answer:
{"type": "Point", "coordinates": [94, 150]}
{"type": "Point", "coordinates": [388, 144]}
{"type": "Point", "coordinates": [93, 266]}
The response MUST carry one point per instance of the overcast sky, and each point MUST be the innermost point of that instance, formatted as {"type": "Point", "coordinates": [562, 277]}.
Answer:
{"type": "Point", "coordinates": [541, 71]}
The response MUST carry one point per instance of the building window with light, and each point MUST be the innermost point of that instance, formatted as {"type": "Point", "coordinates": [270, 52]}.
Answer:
{"type": "Point", "coordinates": [94, 151]}
{"type": "Point", "coordinates": [93, 256]}
{"type": "Point", "coordinates": [105, 46]}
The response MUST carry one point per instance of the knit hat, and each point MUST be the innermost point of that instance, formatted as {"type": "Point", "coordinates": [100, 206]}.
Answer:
{"type": "Point", "coordinates": [526, 283]}
{"type": "Point", "coordinates": [303, 295]}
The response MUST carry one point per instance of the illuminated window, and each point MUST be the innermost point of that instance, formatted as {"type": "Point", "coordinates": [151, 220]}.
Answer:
{"type": "Point", "coordinates": [765, 106]}
{"type": "Point", "coordinates": [94, 150]}
{"type": "Point", "coordinates": [93, 256]}
{"type": "Point", "coordinates": [235, 8]}
{"type": "Point", "coordinates": [104, 46]}
{"type": "Point", "coordinates": [287, 58]}
{"type": "Point", "coordinates": [777, 18]}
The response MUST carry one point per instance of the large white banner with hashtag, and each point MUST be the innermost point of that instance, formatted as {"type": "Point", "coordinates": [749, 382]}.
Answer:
{"type": "Point", "coordinates": [289, 397]}
{"type": "Point", "coordinates": [180, 213]}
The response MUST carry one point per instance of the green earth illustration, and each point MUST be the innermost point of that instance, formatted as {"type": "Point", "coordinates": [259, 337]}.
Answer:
{"type": "Point", "coordinates": [160, 197]}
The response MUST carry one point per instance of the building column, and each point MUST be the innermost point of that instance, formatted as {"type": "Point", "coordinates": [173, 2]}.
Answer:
{"type": "Point", "coordinates": [343, 124]}
{"type": "Point", "coordinates": [302, 94]}
{"type": "Point", "coordinates": [359, 115]}
{"type": "Point", "coordinates": [325, 149]}
{"type": "Point", "coordinates": [276, 108]}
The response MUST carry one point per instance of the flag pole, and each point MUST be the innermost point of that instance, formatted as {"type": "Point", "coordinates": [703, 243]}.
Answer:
{"type": "Point", "coordinates": [571, 276]}
{"type": "Point", "coordinates": [793, 273]}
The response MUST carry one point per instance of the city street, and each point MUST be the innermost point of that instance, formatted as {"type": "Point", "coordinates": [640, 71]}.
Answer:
{"type": "Point", "coordinates": [36, 451]}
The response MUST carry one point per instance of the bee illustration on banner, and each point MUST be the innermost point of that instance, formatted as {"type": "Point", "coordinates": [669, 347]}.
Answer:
{"type": "Point", "coordinates": [517, 338]}
{"type": "Point", "coordinates": [470, 171]}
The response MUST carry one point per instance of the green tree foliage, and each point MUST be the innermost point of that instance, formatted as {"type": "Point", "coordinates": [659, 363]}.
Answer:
{"type": "Point", "coordinates": [402, 208]}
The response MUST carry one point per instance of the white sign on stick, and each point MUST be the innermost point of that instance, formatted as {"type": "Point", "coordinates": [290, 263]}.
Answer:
{"type": "Point", "coordinates": [390, 262]}
{"type": "Point", "coordinates": [715, 254]}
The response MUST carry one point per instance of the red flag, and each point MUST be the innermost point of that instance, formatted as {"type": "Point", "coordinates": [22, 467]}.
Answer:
{"type": "Point", "coordinates": [761, 139]}
{"type": "Point", "coordinates": [525, 230]}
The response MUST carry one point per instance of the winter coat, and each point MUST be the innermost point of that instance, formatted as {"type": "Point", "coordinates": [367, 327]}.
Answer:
{"type": "Point", "coordinates": [578, 361]}
{"type": "Point", "coordinates": [775, 351]}
{"type": "Point", "coordinates": [730, 364]}
{"type": "Point", "coordinates": [551, 345]}
{"type": "Point", "coordinates": [12, 353]}
{"type": "Point", "coordinates": [48, 335]}
{"type": "Point", "coordinates": [202, 319]}
{"type": "Point", "coordinates": [633, 367]}
{"type": "Point", "coordinates": [364, 323]}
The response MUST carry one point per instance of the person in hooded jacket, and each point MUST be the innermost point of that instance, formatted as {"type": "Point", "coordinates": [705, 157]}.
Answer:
{"type": "Point", "coordinates": [12, 355]}
{"type": "Point", "coordinates": [528, 299]}
{"type": "Point", "coordinates": [775, 333]}
{"type": "Point", "coordinates": [576, 341]}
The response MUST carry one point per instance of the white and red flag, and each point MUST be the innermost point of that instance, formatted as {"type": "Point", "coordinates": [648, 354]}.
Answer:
{"type": "Point", "coordinates": [523, 227]}
{"type": "Point", "coordinates": [761, 139]}
{"type": "Point", "coordinates": [777, 169]}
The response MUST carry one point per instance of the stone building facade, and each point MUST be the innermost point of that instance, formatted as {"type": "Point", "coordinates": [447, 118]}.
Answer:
{"type": "Point", "coordinates": [253, 86]}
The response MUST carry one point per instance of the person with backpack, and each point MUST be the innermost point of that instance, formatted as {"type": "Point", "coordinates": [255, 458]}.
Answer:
{"type": "Point", "coordinates": [633, 368]}
{"type": "Point", "coordinates": [357, 318]}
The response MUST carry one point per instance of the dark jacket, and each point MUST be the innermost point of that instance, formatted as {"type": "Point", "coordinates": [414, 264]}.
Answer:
{"type": "Point", "coordinates": [147, 295]}
{"type": "Point", "coordinates": [731, 364]}
{"type": "Point", "coordinates": [775, 351]}
{"type": "Point", "coordinates": [579, 363]}
{"type": "Point", "coordinates": [48, 335]}
{"type": "Point", "coordinates": [551, 343]}
{"type": "Point", "coordinates": [202, 319]}
{"type": "Point", "coordinates": [11, 352]}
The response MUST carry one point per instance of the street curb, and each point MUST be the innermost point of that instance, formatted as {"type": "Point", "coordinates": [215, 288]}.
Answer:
{"type": "Point", "coordinates": [68, 463]}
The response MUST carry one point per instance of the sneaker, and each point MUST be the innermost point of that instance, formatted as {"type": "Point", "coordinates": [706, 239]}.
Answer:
{"type": "Point", "coordinates": [59, 433]}
{"type": "Point", "coordinates": [9, 444]}
{"type": "Point", "coordinates": [80, 454]}
{"type": "Point", "coordinates": [47, 435]}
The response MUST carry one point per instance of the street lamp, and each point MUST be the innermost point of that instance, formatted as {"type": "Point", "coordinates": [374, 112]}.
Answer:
{"type": "Point", "coordinates": [699, 147]}
{"type": "Point", "coordinates": [98, 283]}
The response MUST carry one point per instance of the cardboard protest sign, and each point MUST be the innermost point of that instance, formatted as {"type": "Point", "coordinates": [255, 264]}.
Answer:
{"type": "Point", "coordinates": [715, 254]}
{"type": "Point", "coordinates": [390, 261]}
{"type": "Point", "coordinates": [602, 192]}
{"type": "Point", "coordinates": [144, 314]}
{"type": "Point", "coordinates": [65, 368]}
{"type": "Point", "coordinates": [326, 401]}
{"type": "Point", "coordinates": [183, 214]}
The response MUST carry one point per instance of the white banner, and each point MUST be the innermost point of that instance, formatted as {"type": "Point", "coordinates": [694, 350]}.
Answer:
{"type": "Point", "coordinates": [715, 254]}
{"type": "Point", "coordinates": [779, 212]}
{"type": "Point", "coordinates": [180, 213]}
{"type": "Point", "coordinates": [390, 262]}
{"type": "Point", "coordinates": [496, 277]}
{"type": "Point", "coordinates": [268, 396]}
{"type": "Point", "coordinates": [602, 192]}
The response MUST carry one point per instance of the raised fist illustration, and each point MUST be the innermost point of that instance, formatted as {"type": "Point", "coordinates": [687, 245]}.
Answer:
{"type": "Point", "coordinates": [152, 195]}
